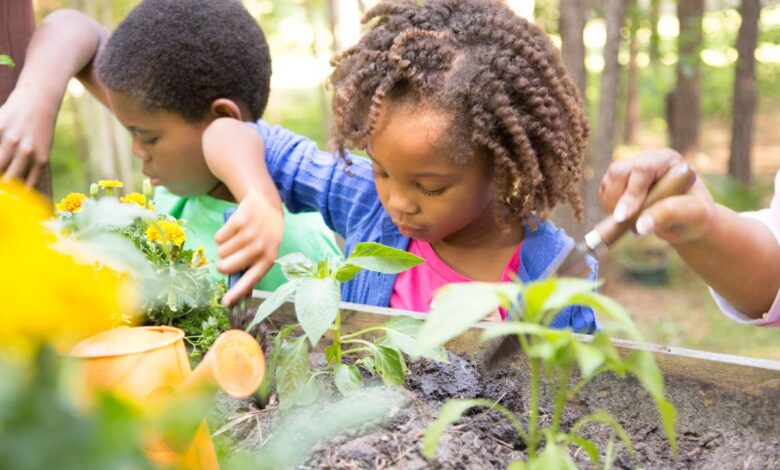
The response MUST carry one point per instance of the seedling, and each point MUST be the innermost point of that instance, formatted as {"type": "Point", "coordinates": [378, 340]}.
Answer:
{"type": "Point", "coordinates": [552, 355]}
{"type": "Point", "coordinates": [316, 290]}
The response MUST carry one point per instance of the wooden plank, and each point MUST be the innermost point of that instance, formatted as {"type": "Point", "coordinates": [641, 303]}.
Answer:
{"type": "Point", "coordinates": [743, 374]}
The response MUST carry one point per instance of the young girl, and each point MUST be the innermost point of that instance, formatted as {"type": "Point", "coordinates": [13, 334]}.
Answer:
{"type": "Point", "coordinates": [474, 133]}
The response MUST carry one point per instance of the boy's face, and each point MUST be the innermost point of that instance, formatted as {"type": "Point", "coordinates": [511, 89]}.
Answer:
{"type": "Point", "coordinates": [428, 195]}
{"type": "Point", "coordinates": [169, 146]}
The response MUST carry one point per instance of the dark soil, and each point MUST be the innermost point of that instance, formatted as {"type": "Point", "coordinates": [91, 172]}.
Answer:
{"type": "Point", "coordinates": [717, 429]}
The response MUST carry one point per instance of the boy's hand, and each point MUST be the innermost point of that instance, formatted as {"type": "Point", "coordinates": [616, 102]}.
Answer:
{"type": "Point", "coordinates": [249, 240]}
{"type": "Point", "coordinates": [26, 130]}
{"type": "Point", "coordinates": [677, 219]}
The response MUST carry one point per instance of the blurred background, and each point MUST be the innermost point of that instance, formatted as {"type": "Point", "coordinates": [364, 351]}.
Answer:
{"type": "Point", "coordinates": [700, 76]}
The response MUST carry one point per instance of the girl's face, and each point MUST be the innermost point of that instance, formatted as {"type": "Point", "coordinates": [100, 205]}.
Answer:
{"type": "Point", "coordinates": [168, 145]}
{"type": "Point", "coordinates": [429, 196]}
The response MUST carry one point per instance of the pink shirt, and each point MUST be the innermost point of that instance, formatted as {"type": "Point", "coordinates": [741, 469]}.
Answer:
{"type": "Point", "coordinates": [414, 288]}
{"type": "Point", "coordinates": [771, 218]}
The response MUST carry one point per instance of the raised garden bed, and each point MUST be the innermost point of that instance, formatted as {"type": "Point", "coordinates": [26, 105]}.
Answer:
{"type": "Point", "coordinates": [728, 412]}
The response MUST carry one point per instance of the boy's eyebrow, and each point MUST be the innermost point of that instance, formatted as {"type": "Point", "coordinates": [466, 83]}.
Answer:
{"type": "Point", "coordinates": [136, 130]}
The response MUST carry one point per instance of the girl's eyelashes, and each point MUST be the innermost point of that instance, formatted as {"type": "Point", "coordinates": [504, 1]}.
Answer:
{"type": "Point", "coordinates": [151, 141]}
{"type": "Point", "coordinates": [431, 192]}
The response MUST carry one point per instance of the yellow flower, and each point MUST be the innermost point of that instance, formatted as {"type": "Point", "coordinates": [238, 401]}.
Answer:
{"type": "Point", "coordinates": [110, 184]}
{"type": "Point", "coordinates": [71, 203]}
{"type": "Point", "coordinates": [134, 198]}
{"type": "Point", "coordinates": [198, 257]}
{"type": "Point", "coordinates": [171, 233]}
{"type": "Point", "coordinates": [47, 296]}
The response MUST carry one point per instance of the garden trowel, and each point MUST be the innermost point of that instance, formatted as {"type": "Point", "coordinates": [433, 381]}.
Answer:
{"type": "Point", "coordinates": [572, 261]}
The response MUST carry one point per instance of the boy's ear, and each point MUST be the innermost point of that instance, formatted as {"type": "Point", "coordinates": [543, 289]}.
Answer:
{"type": "Point", "coordinates": [223, 107]}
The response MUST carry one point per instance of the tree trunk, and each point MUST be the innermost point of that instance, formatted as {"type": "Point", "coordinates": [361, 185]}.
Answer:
{"type": "Point", "coordinates": [18, 23]}
{"type": "Point", "coordinates": [683, 104]}
{"type": "Point", "coordinates": [743, 110]}
{"type": "Point", "coordinates": [604, 138]}
{"type": "Point", "coordinates": [574, 15]}
{"type": "Point", "coordinates": [655, 37]}
{"type": "Point", "coordinates": [632, 102]}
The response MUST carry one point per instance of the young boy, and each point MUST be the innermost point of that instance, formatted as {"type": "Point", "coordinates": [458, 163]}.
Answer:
{"type": "Point", "coordinates": [169, 70]}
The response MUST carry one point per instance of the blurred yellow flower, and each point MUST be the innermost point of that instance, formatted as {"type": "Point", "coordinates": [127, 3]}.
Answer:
{"type": "Point", "coordinates": [134, 198]}
{"type": "Point", "coordinates": [171, 233]}
{"type": "Point", "coordinates": [71, 203]}
{"type": "Point", "coordinates": [110, 184]}
{"type": "Point", "coordinates": [198, 257]}
{"type": "Point", "coordinates": [47, 296]}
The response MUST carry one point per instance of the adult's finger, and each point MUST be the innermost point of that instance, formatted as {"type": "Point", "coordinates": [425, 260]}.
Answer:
{"type": "Point", "coordinates": [34, 175]}
{"type": "Point", "coordinates": [19, 165]}
{"type": "Point", "coordinates": [676, 219]}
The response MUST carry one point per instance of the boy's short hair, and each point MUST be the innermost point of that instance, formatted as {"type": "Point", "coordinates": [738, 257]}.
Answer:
{"type": "Point", "coordinates": [182, 55]}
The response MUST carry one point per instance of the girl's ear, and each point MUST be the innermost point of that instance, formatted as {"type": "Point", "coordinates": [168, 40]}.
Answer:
{"type": "Point", "coordinates": [223, 107]}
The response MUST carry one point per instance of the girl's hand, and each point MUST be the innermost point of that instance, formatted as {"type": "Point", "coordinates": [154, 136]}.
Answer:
{"type": "Point", "coordinates": [677, 219]}
{"type": "Point", "coordinates": [249, 240]}
{"type": "Point", "coordinates": [26, 130]}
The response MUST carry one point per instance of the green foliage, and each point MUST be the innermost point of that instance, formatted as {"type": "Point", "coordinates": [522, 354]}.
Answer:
{"type": "Point", "coordinates": [42, 427]}
{"type": "Point", "coordinates": [316, 290]}
{"type": "Point", "coordinates": [7, 61]}
{"type": "Point", "coordinates": [734, 195]}
{"type": "Point", "coordinates": [131, 237]}
{"type": "Point", "coordinates": [552, 353]}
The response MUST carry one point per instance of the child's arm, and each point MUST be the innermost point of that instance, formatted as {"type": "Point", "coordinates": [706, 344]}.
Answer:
{"type": "Point", "coordinates": [250, 239]}
{"type": "Point", "coordinates": [739, 257]}
{"type": "Point", "coordinates": [62, 47]}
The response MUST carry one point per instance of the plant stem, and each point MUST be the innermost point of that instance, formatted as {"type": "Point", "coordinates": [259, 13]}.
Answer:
{"type": "Point", "coordinates": [354, 350]}
{"type": "Point", "coordinates": [364, 331]}
{"type": "Point", "coordinates": [357, 341]}
{"type": "Point", "coordinates": [561, 397]}
{"type": "Point", "coordinates": [533, 415]}
{"type": "Point", "coordinates": [337, 338]}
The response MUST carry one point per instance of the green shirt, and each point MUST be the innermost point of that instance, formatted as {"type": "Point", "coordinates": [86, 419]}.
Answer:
{"type": "Point", "coordinates": [304, 232]}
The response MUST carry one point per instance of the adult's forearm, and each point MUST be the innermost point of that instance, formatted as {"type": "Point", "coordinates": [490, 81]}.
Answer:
{"type": "Point", "coordinates": [63, 46]}
{"type": "Point", "coordinates": [739, 258]}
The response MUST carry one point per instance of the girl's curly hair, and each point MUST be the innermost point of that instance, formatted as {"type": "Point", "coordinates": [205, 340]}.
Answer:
{"type": "Point", "coordinates": [496, 74]}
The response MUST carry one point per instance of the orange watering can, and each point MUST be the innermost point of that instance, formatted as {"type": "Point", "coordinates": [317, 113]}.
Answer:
{"type": "Point", "coordinates": [149, 365]}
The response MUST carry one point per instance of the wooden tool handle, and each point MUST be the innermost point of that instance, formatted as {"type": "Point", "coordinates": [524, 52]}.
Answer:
{"type": "Point", "coordinates": [677, 180]}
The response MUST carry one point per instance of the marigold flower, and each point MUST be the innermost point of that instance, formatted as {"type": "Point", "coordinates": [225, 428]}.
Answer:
{"type": "Point", "coordinates": [171, 233]}
{"type": "Point", "coordinates": [134, 198]}
{"type": "Point", "coordinates": [199, 257]}
{"type": "Point", "coordinates": [71, 203]}
{"type": "Point", "coordinates": [110, 184]}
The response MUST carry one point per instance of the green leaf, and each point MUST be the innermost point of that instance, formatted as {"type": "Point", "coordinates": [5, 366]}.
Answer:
{"type": "Point", "coordinates": [347, 378]}
{"type": "Point", "coordinates": [603, 417]}
{"type": "Point", "coordinates": [553, 457]}
{"type": "Point", "coordinates": [274, 301]}
{"type": "Point", "coordinates": [589, 446]}
{"type": "Point", "coordinates": [384, 259]}
{"type": "Point", "coordinates": [460, 306]}
{"type": "Point", "coordinates": [517, 465]}
{"type": "Point", "coordinates": [7, 61]}
{"type": "Point", "coordinates": [588, 357]}
{"type": "Point", "coordinates": [609, 308]}
{"type": "Point", "coordinates": [566, 288]}
{"type": "Point", "coordinates": [449, 414]}
{"type": "Point", "coordinates": [296, 266]}
{"type": "Point", "coordinates": [389, 364]}
{"type": "Point", "coordinates": [368, 364]}
{"type": "Point", "coordinates": [331, 352]}
{"type": "Point", "coordinates": [401, 331]}
{"type": "Point", "coordinates": [316, 306]}
{"type": "Point", "coordinates": [293, 374]}
{"type": "Point", "coordinates": [346, 272]}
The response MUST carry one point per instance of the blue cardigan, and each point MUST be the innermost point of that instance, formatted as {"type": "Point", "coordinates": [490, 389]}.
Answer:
{"type": "Point", "coordinates": [312, 180]}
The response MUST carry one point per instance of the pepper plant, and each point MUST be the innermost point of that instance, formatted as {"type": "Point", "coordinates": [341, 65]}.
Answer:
{"type": "Point", "coordinates": [315, 288]}
{"type": "Point", "coordinates": [553, 355]}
